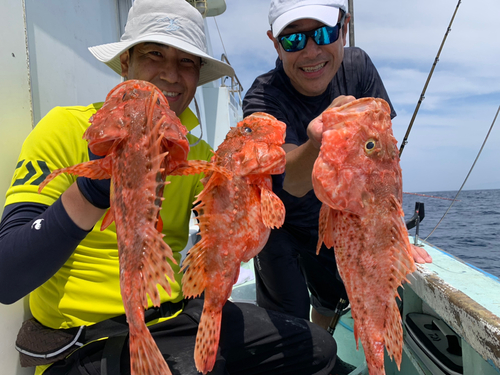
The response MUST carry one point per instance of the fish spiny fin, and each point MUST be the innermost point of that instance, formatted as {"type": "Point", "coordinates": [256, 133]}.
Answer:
{"type": "Point", "coordinates": [272, 209]}
{"type": "Point", "coordinates": [92, 169]}
{"type": "Point", "coordinates": [325, 227]}
{"type": "Point", "coordinates": [207, 338]}
{"type": "Point", "coordinates": [145, 357]}
{"type": "Point", "coordinates": [156, 266]}
{"type": "Point", "coordinates": [195, 277]}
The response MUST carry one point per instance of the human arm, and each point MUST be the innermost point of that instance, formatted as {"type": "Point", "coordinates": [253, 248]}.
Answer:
{"type": "Point", "coordinates": [35, 241]}
{"type": "Point", "coordinates": [29, 256]}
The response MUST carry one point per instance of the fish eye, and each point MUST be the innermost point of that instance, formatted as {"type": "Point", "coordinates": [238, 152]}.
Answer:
{"type": "Point", "coordinates": [124, 95]}
{"type": "Point", "coordinates": [158, 101]}
{"type": "Point", "coordinates": [247, 129]}
{"type": "Point", "coordinates": [370, 145]}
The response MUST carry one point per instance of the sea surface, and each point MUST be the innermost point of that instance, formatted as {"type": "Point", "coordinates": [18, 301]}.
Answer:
{"type": "Point", "coordinates": [469, 231]}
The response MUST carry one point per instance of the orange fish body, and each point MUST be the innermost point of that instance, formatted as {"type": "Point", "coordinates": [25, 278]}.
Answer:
{"type": "Point", "coordinates": [358, 178]}
{"type": "Point", "coordinates": [235, 217]}
{"type": "Point", "coordinates": [142, 140]}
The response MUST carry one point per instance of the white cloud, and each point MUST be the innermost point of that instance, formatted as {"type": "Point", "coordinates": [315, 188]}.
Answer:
{"type": "Point", "coordinates": [403, 38]}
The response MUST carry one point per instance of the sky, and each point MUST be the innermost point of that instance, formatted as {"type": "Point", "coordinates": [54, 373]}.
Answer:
{"type": "Point", "coordinates": [403, 38]}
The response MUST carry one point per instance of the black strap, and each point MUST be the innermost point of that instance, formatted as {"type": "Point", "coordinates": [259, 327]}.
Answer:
{"type": "Point", "coordinates": [118, 325]}
{"type": "Point", "coordinates": [111, 355]}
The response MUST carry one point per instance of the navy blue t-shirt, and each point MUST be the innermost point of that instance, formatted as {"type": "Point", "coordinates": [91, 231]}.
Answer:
{"type": "Point", "coordinates": [274, 94]}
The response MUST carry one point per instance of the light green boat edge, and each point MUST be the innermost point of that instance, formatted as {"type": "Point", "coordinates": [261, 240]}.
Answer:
{"type": "Point", "coordinates": [463, 296]}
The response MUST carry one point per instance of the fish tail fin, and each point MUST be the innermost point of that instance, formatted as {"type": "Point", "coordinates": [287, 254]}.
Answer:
{"type": "Point", "coordinates": [393, 334]}
{"type": "Point", "coordinates": [325, 227]}
{"type": "Point", "coordinates": [207, 338]}
{"type": "Point", "coordinates": [272, 209]}
{"type": "Point", "coordinates": [145, 357]}
{"type": "Point", "coordinates": [195, 276]}
{"type": "Point", "coordinates": [95, 169]}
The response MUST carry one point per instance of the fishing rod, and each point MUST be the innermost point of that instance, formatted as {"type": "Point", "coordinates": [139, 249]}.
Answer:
{"type": "Point", "coordinates": [351, 23]}
{"type": "Point", "coordinates": [422, 95]}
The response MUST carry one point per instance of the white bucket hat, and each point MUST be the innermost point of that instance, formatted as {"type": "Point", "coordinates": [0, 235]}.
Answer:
{"type": "Point", "coordinates": [174, 23]}
{"type": "Point", "coordinates": [284, 12]}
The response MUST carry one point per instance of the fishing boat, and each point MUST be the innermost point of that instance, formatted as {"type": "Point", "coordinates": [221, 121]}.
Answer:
{"type": "Point", "coordinates": [450, 310]}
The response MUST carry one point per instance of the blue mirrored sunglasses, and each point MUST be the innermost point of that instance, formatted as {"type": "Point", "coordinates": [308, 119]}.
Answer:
{"type": "Point", "coordinates": [322, 36]}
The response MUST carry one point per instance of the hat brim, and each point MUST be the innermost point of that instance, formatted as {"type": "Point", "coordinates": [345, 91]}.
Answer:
{"type": "Point", "coordinates": [211, 69]}
{"type": "Point", "coordinates": [325, 14]}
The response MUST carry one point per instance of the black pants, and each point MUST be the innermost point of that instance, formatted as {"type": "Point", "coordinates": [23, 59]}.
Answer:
{"type": "Point", "coordinates": [290, 277]}
{"type": "Point", "coordinates": [252, 341]}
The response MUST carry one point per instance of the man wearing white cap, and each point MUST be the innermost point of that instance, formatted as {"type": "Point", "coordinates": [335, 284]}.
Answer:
{"type": "Point", "coordinates": [313, 71]}
{"type": "Point", "coordinates": [51, 246]}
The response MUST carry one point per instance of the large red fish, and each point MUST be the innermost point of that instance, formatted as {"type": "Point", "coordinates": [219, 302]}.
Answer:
{"type": "Point", "coordinates": [358, 178]}
{"type": "Point", "coordinates": [142, 141]}
{"type": "Point", "coordinates": [235, 217]}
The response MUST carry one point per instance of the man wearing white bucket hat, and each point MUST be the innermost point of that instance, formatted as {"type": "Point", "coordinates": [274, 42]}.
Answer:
{"type": "Point", "coordinates": [51, 246]}
{"type": "Point", "coordinates": [313, 71]}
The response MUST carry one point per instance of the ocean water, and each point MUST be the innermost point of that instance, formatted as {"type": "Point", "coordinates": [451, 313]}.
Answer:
{"type": "Point", "coordinates": [470, 230]}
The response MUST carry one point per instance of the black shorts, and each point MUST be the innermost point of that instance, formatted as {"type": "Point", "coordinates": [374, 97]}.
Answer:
{"type": "Point", "coordinates": [252, 341]}
{"type": "Point", "coordinates": [290, 276]}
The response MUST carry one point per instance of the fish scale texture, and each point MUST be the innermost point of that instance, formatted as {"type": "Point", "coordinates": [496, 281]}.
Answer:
{"type": "Point", "coordinates": [142, 141]}
{"type": "Point", "coordinates": [235, 217]}
{"type": "Point", "coordinates": [358, 178]}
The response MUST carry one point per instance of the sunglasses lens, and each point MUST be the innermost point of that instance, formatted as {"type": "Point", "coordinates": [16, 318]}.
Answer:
{"type": "Point", "coordinates": [326, 35]}
{"type": "Point", "coordinates": [322, 36]}
{"type": "Point", "coordinates": [293, 42]}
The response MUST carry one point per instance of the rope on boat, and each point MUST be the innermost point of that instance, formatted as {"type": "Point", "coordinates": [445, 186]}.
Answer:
{"type": "Point", "coordinates": [422, 95]}
{"type": "Point", "coordinates": [430, 196]}
{"type": "Point", "coordinates": [220, 36]}
{"type": "Point", "coordinates": [468, 174]}
{"type": "Point", "coordinates": [199, 119]}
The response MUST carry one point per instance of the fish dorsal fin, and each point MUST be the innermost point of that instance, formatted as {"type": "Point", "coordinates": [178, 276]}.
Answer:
{"type": "Point", "coordinates": [272, 209]}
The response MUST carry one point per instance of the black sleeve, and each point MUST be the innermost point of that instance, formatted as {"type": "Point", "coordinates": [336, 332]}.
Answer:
{"type": "Point", "coordinates": [35, 241]}
{"type": "Point", "coordinates": [367, 75]}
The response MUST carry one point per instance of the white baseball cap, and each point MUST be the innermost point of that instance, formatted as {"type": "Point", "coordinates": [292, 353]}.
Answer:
{"type": "Point", "coordinates": [175, 23]}
{"type": "Point", "coordinates": [284, 12]}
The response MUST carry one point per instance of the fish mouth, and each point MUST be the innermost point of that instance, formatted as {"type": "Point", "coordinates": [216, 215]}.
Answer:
{"type": "Point", "coordinates": [313, 69]}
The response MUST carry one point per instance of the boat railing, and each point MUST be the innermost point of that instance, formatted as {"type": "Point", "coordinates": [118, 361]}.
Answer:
{"type": "Point", "coordinates": [235, 88]}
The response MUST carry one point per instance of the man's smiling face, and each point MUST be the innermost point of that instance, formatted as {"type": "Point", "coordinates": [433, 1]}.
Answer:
{"type": "Point", "coordinates": [311, 70]}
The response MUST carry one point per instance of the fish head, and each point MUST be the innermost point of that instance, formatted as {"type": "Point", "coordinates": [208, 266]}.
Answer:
{"type": "Point", "coordinates": [359, 160]}
{"type": "Point", "coordinates": [136, 107]}
{"type": "Point", "coordinates": [254, 146]}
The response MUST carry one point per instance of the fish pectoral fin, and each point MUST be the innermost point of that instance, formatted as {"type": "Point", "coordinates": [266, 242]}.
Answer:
{"type": "Point", "coordinates": [200, 166]}
{"type": "Point", "coordinates": [272, 209]}
{"type": "Point", "coordinates": [96, 169]}
{"type": "Point", "coordinates": [108, 218]}
{"type": "Point", "coordinates": [156, 268]}
{"type": "Point", "coordinates": [325, 228]}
